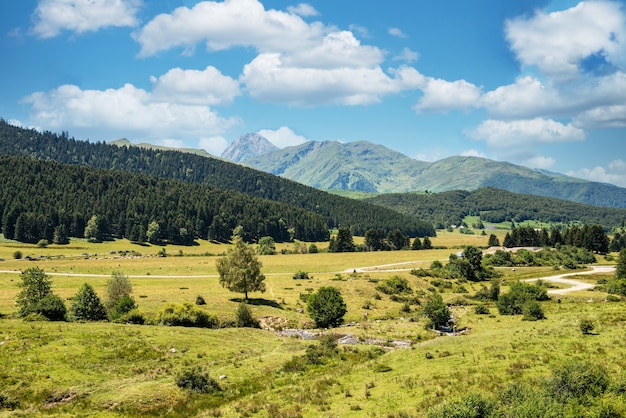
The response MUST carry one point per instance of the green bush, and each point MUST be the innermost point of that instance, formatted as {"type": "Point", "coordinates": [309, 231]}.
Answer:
{"type": "Point", "coordinates": [474, 405]}
{"type": "Point", "coordinates": [17, 255]}
{"type": "Point", "coordinates": [512, 303]}
{"type": "Point", "coordinates": [394, 285]}
{"type": "Point", "coordinates": [481, 310]}
{"type": "Point", "coordinates": [185, 315]}
{"type": "Point", "coordinates": [326, 307]}
{"type": "Point", "coordinates": [301, 275]}
{"type": "Point", "coordinates": [532, 311]}
{"type": "Point", "coordinates": [245, 318]}
{"type": "Point", "coordinates": [43, 243]}
{"type": "Point", "coordinates": [51, 307]}
{"type": "Point", "coordinates": [586, 325]}
{"type": "Point", "coordinates": [195, 380]}
{"type": "Point", "coordinates": [577, 379]}
{"type": "Point", "coordinates": [132, 317]}
{"type": "Point", "coordinates": [200, 300]}
{"type": "Point", "coordinates": [124, 305]}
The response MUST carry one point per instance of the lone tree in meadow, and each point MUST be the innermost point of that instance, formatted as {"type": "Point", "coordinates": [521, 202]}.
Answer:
{"type": "Point", "coordinates": [326, 307]}
{"type": "Point", "coordinates": [240, 269]}
{"type": "Point", "coordinates": [87, 306]}
{"type": "Point", "coordinates": [35, 285]}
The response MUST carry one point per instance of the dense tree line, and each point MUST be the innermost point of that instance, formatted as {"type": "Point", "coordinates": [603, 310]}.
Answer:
{"type": "Point", "coordinates": [51, 201]}
{"type": "Point", "coordinates": [589, 237]}
{"type": "Point", "coordinates": [495, 205]}
{"type": "Point", "coordinates": [336, 210]}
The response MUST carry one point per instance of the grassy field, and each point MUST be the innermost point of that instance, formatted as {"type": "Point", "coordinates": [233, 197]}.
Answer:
{"type": "Point", "coordinates": [107, 369]}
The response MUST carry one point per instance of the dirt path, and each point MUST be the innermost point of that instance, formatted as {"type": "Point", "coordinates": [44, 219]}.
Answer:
{"type": "Point", "coordinates": [576, 285]}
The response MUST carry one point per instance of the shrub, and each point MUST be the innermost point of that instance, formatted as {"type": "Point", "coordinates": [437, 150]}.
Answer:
{"type": "Point", "coordinates": [474, 405]}
{"type": "Point", "coordinates": [532, 311]}
{"type": "Point", "coordinates": [586, 325]}
{"type": "Point", "coordinates": [301, 275]}
{"type": "Point", "coordinates": [43, 243]}
{"type": "Point", "coordinates": [124, 305]}
{"type": "Point", "coordinates": [87, 306]}
{"type": "Point", "coordinates": [200, 300]}
{"type": "Point", "coordinates": [481, 310]}
{"type": "Point", "coordinates": [512, 303]}
{"type": "Point", "coordinates": [436, 311]}
{"type": "Point", "coordinates": [577, 379]}
{"type": "Point", "coordinates": [51, 307]}
{"type": "Point", "coordinates": [17, 255]}
{"type": "Point", "coordinates": [132, 317]}
{"type": "Point", "coordinates": [245, 318]}
{"type": "Point", "coordinates": [326, 307]}
{"type": "Point", "coordinates": [394, 285]}
{"type": "Point", "coordinates": [185, 315]}
{"type": "Point", "coordinates": [195, 380]}
{"type": "Point", "coordinates": [313, 249]}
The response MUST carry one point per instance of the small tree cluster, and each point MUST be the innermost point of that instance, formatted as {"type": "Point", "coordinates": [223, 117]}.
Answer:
{"type": "Point", "coordinates": [436, 311]}
{"type": "Point", "coordinates": [36, 296]}
{"type": "Point", "coordinates": [516, 301]}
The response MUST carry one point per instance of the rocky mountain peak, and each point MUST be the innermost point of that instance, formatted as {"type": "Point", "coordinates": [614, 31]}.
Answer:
{"type": "Point", "coordinates": [248, 146]}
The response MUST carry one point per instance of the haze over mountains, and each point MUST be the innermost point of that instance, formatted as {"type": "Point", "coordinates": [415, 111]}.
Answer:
{"type": "Point", "coordinates": [367, 167]}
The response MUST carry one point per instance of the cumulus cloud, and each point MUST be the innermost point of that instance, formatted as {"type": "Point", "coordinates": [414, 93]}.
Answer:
{"type": "Point", "coordinates": [441, 95]}
{"type": "Point", "coordinates": [282, 137]}
{"type": "Point", "coordinates": [268, 78]}
{"type": "Point", "coordinates": [206, 87]}
{"type": "Point", "coordinates": [527, 97]}
{"type": "Point", "coordinates": [228, 24]}
{"type": "Point", "coordinates": [120, 112]}
{"type": "Point", "coordinates": [557, 42]}
{"type": "Point", "coordinates": [521, 133]}
{"type": "Point", "coordinates": [51, 17]}
{"type": "Point", "coordinates": [614, 173]}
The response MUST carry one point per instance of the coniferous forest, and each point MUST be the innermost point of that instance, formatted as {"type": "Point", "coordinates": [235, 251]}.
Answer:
{"type": "Point", "coordinates": [127, 189]}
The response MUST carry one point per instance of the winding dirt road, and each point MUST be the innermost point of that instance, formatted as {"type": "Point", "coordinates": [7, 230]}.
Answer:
{"type": "Point", "coordinates": [576, 285]}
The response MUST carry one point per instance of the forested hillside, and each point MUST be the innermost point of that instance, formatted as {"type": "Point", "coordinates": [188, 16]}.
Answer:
{"type": "Point", "coordinates": [495, 205]}
{"type": "Point", "coordinates": [210, 172]}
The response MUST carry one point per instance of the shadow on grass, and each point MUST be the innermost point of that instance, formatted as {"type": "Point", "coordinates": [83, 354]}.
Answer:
{"type": "Point", "coordinates": [258, 302]}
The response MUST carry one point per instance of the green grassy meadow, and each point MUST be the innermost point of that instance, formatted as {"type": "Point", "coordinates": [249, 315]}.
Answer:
{"type": "Point", "coordinates": [110, 369]}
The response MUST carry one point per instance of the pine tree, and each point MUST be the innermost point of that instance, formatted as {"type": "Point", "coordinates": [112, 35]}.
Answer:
{"type": "Point", "coordinates": [87, 306]}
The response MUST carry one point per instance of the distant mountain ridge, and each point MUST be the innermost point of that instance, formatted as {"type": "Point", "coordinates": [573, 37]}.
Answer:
{"type": "Point", "coordinates": [365, 167]}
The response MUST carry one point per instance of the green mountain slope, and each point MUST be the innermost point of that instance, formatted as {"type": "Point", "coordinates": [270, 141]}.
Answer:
{"type": "Point", "coordinates": [496, 205]}
{"type": "Point", "coordinates": [366, 167]}
{"type": "Point", "coordinates": [359, 166]}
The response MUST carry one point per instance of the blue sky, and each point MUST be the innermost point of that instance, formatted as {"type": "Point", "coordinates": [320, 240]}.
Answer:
{"type": "Point", "coordinates": [538, 83]}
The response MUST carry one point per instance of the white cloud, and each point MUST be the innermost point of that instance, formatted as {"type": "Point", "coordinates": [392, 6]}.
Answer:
{"type": "Point", "coordinates": [127, 111]}
{"type": "Point", "coordinates": [473, 153]}
{"type": "Point", "coordinates": [227, 24]}
{"type": "Point", "coordinates": [303, 9]}
{"type": "Point", "coordinates": [282, 137]}
{"type": "Point", "coordinates": [214, 145]}
{"type": "Point", "coordinates": [336, 50]}
{"type": "Point", "coordinates": [523, 133]}
{"type": "Point", "coordinates": [603, 117]}
{"type": "Point", "coordinates": [441, 95]}
{"type": "Point", "coordinates": [540, 162]}
{"type": "Point", "coordinates": [528, 97]}
{"type": "Point", "coordinates": [557, 42]}
{"type": "Point", "coordinates": [268, 78]}
{"type": "Point", "coordinates": [406, 55]}
{"type": "Point", "coordinates": [614, 173]}
{"type": "Point", "coordinates": [206, 87]}
{"type": "Point", "coordinates": [53, 16]}
{"type": "Point", "coordinates": [396, 32]}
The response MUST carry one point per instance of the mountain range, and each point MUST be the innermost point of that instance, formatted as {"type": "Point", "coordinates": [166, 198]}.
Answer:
{"type": "Point", "coordinates": [366, 167]}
